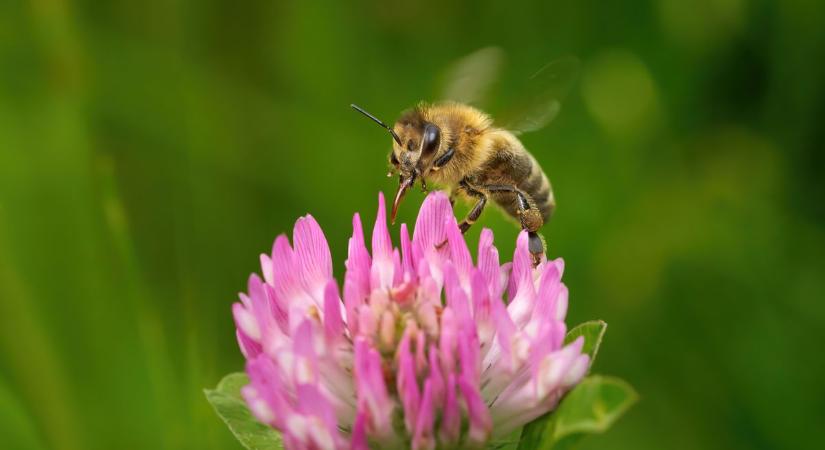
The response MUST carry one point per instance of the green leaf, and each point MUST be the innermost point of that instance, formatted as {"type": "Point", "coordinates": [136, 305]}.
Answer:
{"type": "Point", "coordinates": [509, 442]}
{"type": "Point", "coordinates": [230, 406]}
{"type": "Point", "coordinates": [593, 332]}
{"type": "Point", "coordinates": [591, 407]}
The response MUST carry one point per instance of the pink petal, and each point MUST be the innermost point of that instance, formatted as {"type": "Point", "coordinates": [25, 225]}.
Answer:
{"type": "Point", "coordinates": [305, 367]}
{"type": "Point", "coordinates": [504, 324]}
{"type": "Point", "coordinates": [480, 422]}
{"type": "Point", "coordinates": [448, 340]}
{"type": "Point", "coordinates": [488, 262]}
{"type": "Point", "coordinates": [277, 308]}
{"type": "Point", "coordinates": [423, 437]}
{"type": "Point", "coordinates": [556, 366]}
{"type": "Point", "coordinates": [357, 277]}
{"type": "Point", "coordinates": [549, 288]}
{"type": "Point", "coordinates": [429, 227]}
{"type": "Point", "coordinates": [468, 354]}
{"type": "Point", "coordinates": [482, 308]}
{"type": "Point", "coordinates": [407, 384]}
{"type": "Point", "coordinates": [246, 322]}
{"type": "Point", "coordinates": [372, 390]}
{"type": "Point", "coordinates": [286, 283]}
{"type": "Point", "coordinates": [507, 282]}
{"type": "Point", "coordinates": [367, 322]}
{"type": "Point", "coordinates": [428, 318]}
{"type": "Point", "coordinates": [398, 270]}
{"type": "Point", "coordinates": [383, 266]}
{"type": "Point", "coordinates": [577, 371]}
{"type": "Point", "coordinates": [547, 340]}
{"type": "Point", "coordinates": [561, 303]}
{"type": "Point", "coordinates": [386, 330]}
{"type": "Point", "coordinates": [312, 403]}
{"type": "Point", "coordinates": [381, 242]}
{"type": "Point", "coordinates": [265, 393]}
{"type": "Point", "coordinates": [522, 272]}
{"type": "Point", "coordinates": [333, 323]}
{"type": "Point", "coordinates": [459, 253]}
{"type": "Point", "coordinates": [260, 305]}
{"type": "Point", "coordinates": [559, 262]}
{"type": "Point", "coordinates": [521, 290]}
{"type": "Point", "coordinates": [358, 260]}
{"type": "Point", "coordinates": [406, 252]}
{"type": "Point", "coordinates": [359, 431]}
{"type": "Point", "coordinates": [352, 304]}
{"type": "Point", "coordinates": [451, 420]}
{"type": "Point", "coordinates": [456, 297]}
{"type": "Point", "coordinates": [266, 268]}
{"type": "Point", "coordinates": [436, 378]}
{"type": "Point", "coordinates": [249, 348]}
{"type": "Point", "coordinates": [266, 312]}
{"type": "Point", "coordinates": [312, 257]}
{"type": "Point", "coordinates": [420, 353]}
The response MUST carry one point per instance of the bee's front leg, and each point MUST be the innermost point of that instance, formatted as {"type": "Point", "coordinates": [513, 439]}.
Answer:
{"type": "Point", "coordinates": [478, 208]}
{"type": "Point", "coordinates": [442, 160]}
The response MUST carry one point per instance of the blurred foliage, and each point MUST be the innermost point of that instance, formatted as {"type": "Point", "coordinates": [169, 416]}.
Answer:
{"type": "Point", "coordinates": [149, 151]}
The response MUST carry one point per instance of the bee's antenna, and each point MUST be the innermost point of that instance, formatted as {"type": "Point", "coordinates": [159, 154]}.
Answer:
{"type": "Point", "coordinates": [376, 120]}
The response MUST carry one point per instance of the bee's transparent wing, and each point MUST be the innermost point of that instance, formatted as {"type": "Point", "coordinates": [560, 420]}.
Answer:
{"type": "Point", "coordinates": [469, 79]}
{"type": "Point", "coordinates": [542, 96]}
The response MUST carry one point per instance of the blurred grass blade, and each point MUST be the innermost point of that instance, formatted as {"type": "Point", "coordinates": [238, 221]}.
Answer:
{"type": "Point", "coordinates": [227, 401]}
{"type": "Point", "coordinates": [591, 407]}
{"type": "Point", "coordinates": [16, 424]}
{"type": "Point", "coordinates": [593, 332]}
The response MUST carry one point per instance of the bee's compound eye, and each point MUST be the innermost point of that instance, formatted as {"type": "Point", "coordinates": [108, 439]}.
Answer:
{"type": "Point", "coordinates": [393, 159]}
{"type": "Point", "coordinates": [432, 136]}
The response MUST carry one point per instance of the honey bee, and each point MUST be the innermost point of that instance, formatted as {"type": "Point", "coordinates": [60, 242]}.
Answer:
{"type": "Point", "coordinates": [454, 144]}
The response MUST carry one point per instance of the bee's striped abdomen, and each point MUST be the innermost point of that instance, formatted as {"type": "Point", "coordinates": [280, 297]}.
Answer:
{"type": "Point", "coordinates": [537, 185]}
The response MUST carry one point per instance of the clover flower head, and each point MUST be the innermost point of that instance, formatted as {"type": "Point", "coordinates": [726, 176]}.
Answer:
{"type": "Point", "coordinates": [421, 347]}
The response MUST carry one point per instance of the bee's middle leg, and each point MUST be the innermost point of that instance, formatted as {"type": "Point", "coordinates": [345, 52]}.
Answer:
{"type": "Point", "coordinates": [474, 213]}
{"type": "Point", "coordinates": [478, 208]}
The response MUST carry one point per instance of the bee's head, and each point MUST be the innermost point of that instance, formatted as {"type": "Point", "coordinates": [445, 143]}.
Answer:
{"type": "Point", "coordinates": [418, 141]}
{"type": "Point", "coordinates": [415, 143]}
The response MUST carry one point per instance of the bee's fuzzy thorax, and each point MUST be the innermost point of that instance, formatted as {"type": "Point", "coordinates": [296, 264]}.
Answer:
{"type": "Point", "coordinates": [465, 129]}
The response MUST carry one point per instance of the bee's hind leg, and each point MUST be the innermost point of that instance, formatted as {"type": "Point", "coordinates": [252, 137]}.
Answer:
{"type": "Point", "coordinates": [530, 217]}
{"type": "Point", "coordinates": [535, 243]}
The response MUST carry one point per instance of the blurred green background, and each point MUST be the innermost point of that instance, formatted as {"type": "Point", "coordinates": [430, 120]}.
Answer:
{"type": "Point", "coordinates": [149, 151]}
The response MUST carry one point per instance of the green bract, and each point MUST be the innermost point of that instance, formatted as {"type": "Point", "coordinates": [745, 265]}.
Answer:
{"type": "Point", "coordinates": [230, 406]}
